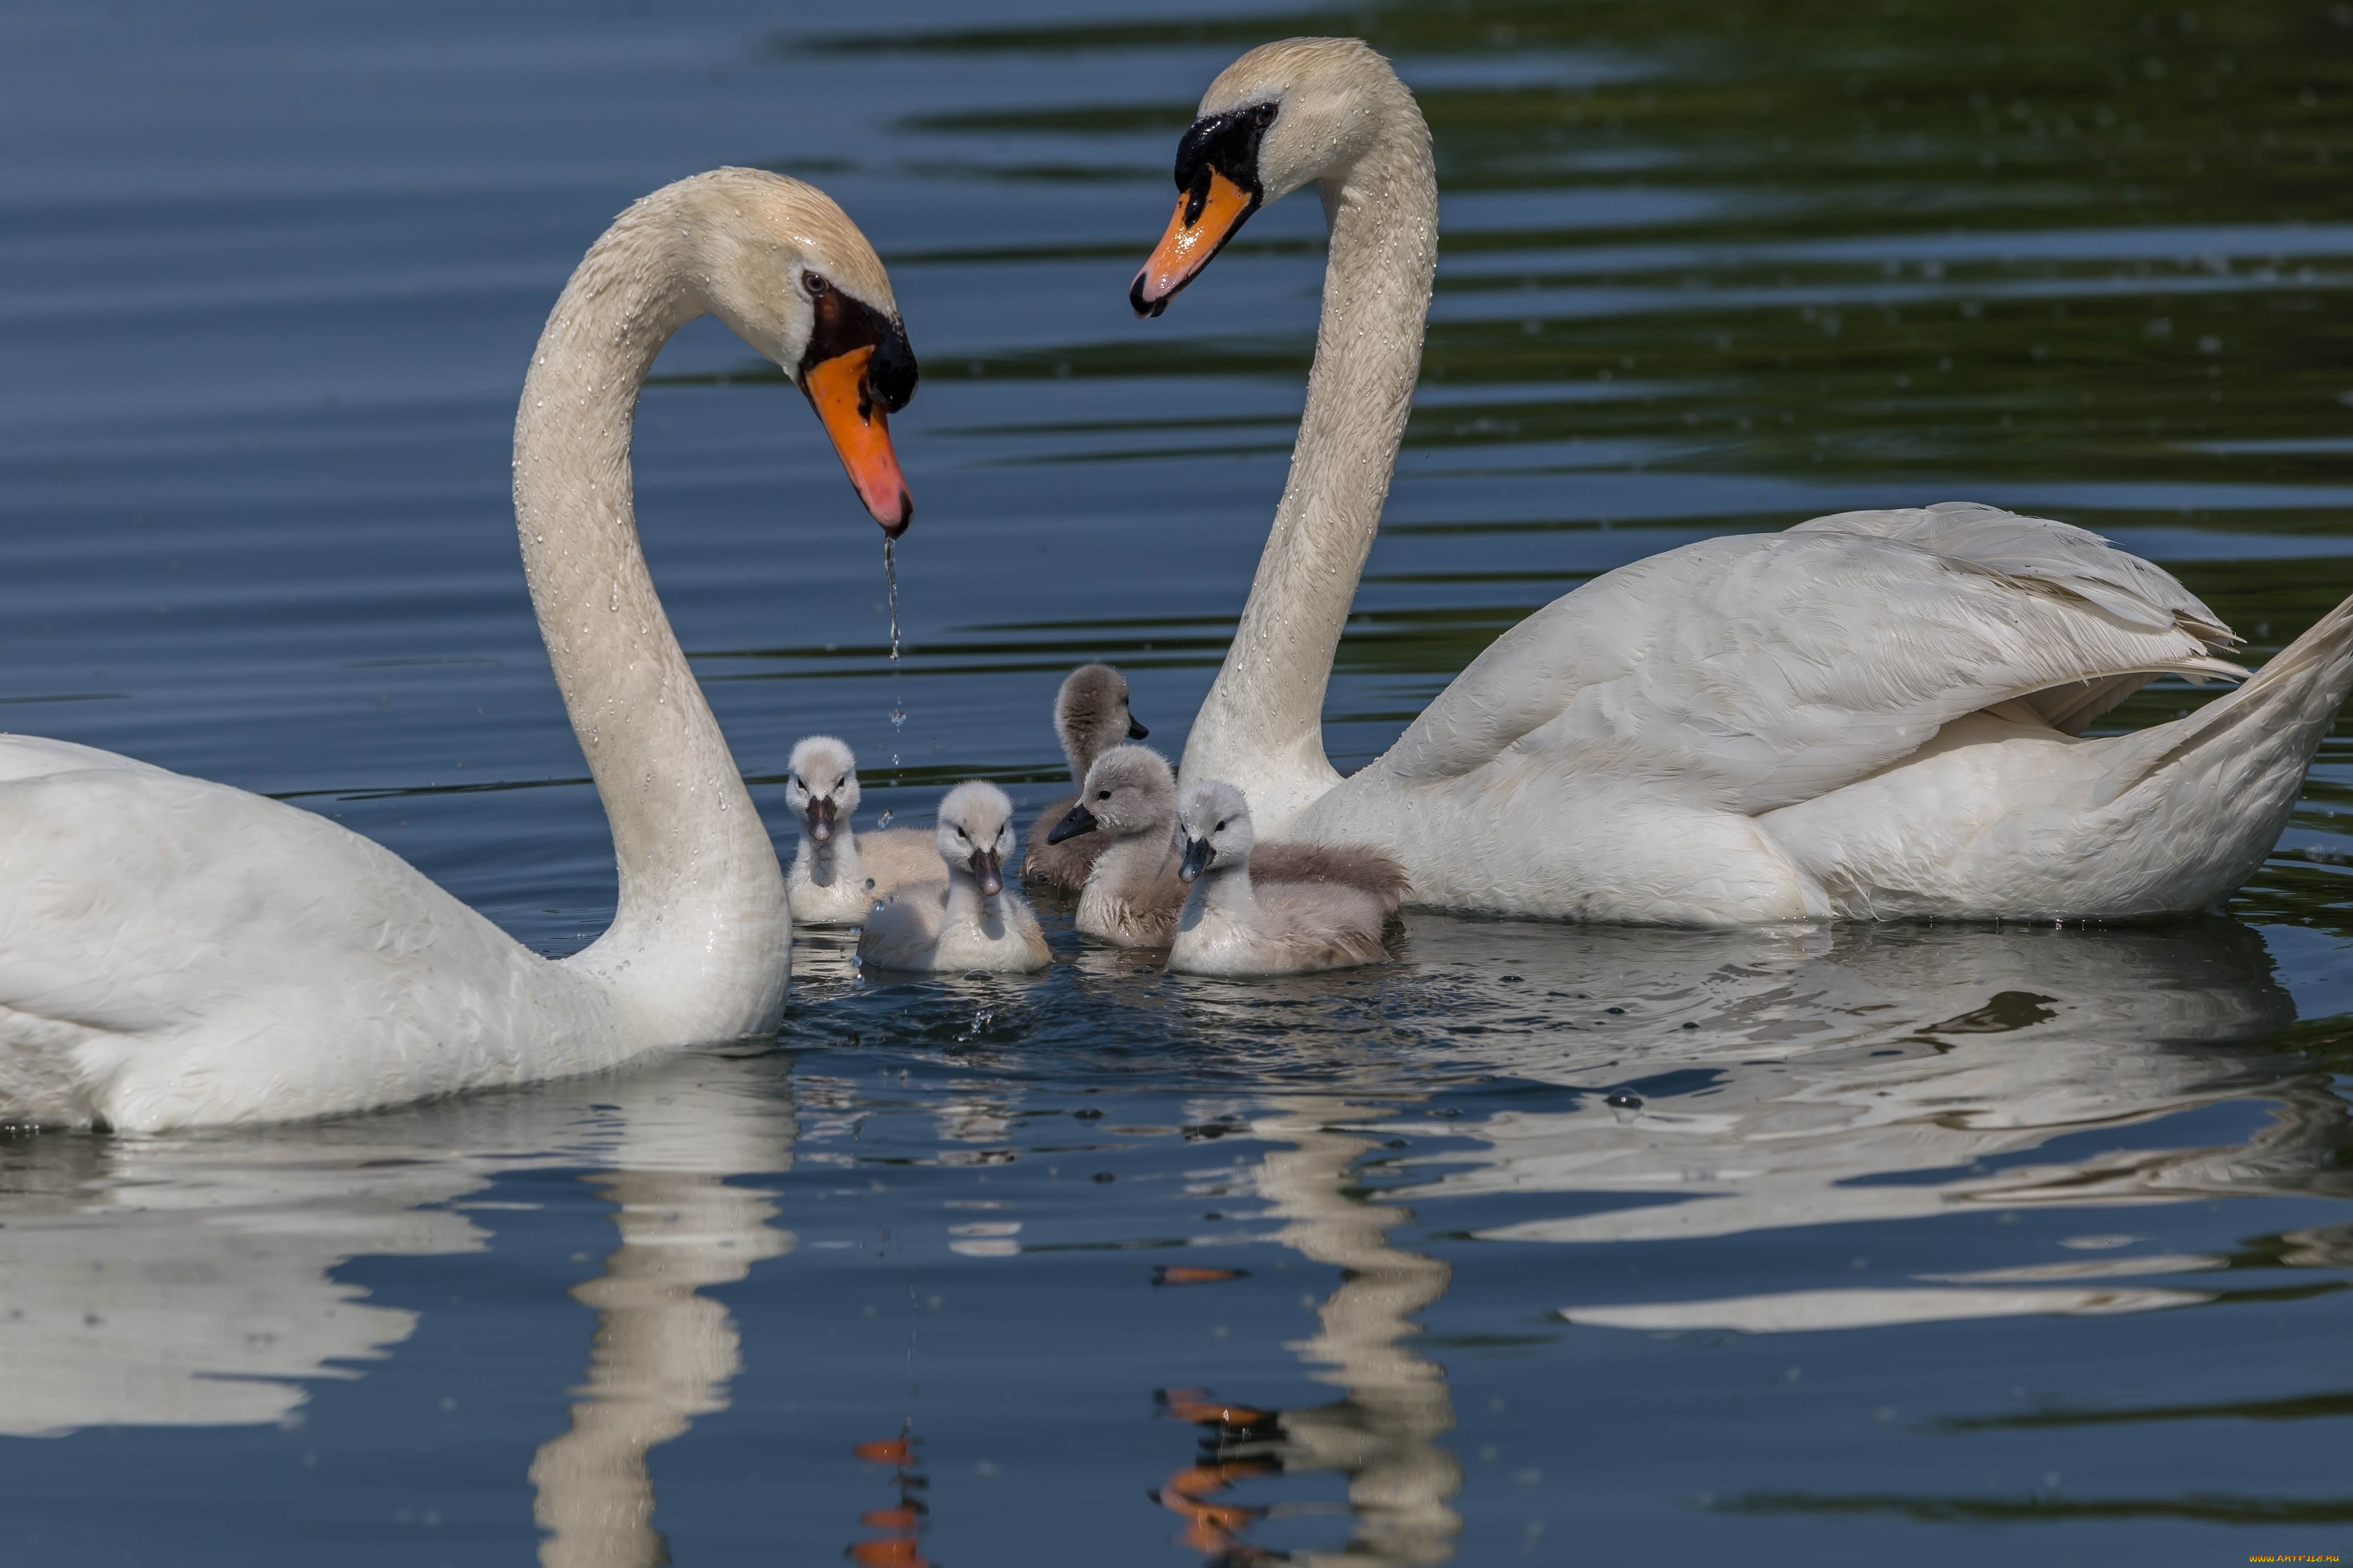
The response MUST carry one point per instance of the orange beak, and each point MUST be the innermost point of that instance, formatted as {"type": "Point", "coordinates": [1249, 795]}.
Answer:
{"type": "Point", "coordinates": [861, 435]}
{"type": "Point", "coordinates": [1197, 230]}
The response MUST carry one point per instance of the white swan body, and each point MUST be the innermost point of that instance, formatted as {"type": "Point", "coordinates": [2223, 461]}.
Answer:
{"type": "Point", "coordinates": [1234, 926]}
{"type": "Point", "coordinates": [974, 923]}
{"type": "Point", "coordinates": [177, 952]}
{"type": "Point", "coordinates": [837, 876]}
{"type": "Point", "coordinates": [1754, 729]}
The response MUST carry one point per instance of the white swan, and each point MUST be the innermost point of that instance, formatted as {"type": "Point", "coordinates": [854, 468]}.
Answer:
{"type": "Point", "coordinates": [837, 876]}
{"type": "Point", "coordinates": [176, 953]}
{"type": "Point", "coordinates": [1869, 715]}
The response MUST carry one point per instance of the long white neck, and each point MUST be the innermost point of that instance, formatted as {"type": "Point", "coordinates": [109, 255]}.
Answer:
{"type": "Point", "coordinates": [700, 945]}
{"type": "Point", "coordinates": [1262, 726]}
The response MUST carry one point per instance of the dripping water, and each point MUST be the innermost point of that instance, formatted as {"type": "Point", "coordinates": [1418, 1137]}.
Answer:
{"type": "Point", "coordinates": [898, 709]}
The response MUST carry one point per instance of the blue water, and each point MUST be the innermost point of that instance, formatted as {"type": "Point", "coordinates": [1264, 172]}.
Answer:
{"type": "Point", "coordinates": [1540, 1244]}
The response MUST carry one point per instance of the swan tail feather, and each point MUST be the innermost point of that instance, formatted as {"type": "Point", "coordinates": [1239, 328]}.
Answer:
{"type": "Point", "coordinates": [2283, 711]}
{"type": "Point", "coordinates": [2223, 783]}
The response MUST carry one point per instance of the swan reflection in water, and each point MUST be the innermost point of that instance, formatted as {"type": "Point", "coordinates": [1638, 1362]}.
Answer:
{"type": "Point", "coordinates": [1382, 1435]}
{"type": "Point", "coordinates": [663, 1354]}
{"type": "Point", "coordinates": [186, 1282]}
{"type": "Point", "coordinates": [1828, 1077]}
{"type": "Point", "coordinates": [1763, 1079]}
{"type": "Point", "coordinates": [1821, 1077]}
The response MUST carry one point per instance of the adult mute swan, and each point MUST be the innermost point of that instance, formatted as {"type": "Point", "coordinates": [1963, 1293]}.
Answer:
{"type": "Point", "coordinates": [1871, 715]}
{"type": "Point", "coordinates": [176, 953]}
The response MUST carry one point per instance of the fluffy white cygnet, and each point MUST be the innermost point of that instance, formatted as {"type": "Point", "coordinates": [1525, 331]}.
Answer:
{"type": "Point", "coordinates": [976, 923]}
{"type": "Point", "coordinates": [1133, 895]}
{"type": "Point", "coordinates": [1232, 926]}
{"type": "Point", "coordinates": [837, 874]}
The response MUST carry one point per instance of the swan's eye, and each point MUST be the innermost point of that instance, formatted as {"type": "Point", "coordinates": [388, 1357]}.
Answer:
{"type": "Point", "coordinates": [1102, 795]}
{"type": "Point", "coordinates": [960, 833]}
{"type": "Point", "coordinates": [816, 284]}
{"type": "Point", "coordinates": [1221, 828]}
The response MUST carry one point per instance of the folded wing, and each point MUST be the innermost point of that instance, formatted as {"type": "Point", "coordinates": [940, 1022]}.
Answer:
{"type": "Point", "coordinates": [1755, 671]}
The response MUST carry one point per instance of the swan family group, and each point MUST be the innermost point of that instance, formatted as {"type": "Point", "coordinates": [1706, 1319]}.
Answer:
{"type": "Point", "coordinates": [1872, 715]}
{"type": "Point", "coordinates": [1151, 868]}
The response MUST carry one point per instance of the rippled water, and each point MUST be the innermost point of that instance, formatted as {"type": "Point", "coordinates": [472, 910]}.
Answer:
{"type": "Point", "coordinates": [1541, 1244]}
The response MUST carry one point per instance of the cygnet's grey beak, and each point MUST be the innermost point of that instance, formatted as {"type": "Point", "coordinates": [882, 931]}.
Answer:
{"type": "Point", "coordinates": [820, 817]}
{"type": "Point", "coordinates": [1135, 729]}
{"type": "Point", "coordinates": [986, 872]}
{"type": "Point", "coordinates": [1197, 855]}
{"type": "Point", "coordinates": [1080, 820]}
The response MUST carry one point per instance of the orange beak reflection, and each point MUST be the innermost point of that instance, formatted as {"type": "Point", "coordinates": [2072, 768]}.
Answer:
{"type": "Point", "coordinates": [1197, 230]}
{"type": "Point", "coordinates": [861, 435]}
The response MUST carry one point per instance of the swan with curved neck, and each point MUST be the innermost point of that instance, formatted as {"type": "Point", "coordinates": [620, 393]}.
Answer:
{"type": "Point", "coordinates": [177, 952]}
{"type": "Point", "coordinates": [1871, 715]}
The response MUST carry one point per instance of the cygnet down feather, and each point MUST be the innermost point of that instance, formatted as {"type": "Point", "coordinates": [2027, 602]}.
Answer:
{"type": "Point", "coordinates": [975, 921]}
{"type": "Point", "coordinates": [1091, 717]}
{"type": "Point", "coordinates": [837, 876]}
{"type": "Point", "coordinates": [1234, 925]}
{"type": "Point", "coordinates": [1135, 894]}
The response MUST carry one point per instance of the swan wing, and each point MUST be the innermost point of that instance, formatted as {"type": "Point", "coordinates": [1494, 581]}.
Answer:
{"type": "Point", "coordinates": [2058, 556]}
{"type": "Point", "coordinates": [1759, 670]}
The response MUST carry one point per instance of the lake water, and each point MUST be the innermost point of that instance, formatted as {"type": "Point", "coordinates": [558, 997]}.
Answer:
{"type": "Point", "coordinates": [1937, 1245]}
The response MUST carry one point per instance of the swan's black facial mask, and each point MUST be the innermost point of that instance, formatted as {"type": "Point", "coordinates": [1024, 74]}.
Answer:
{"type": "Point", "coordinates": [1217, 171]}
{"type": "Point", "coordinates": [857, 369]}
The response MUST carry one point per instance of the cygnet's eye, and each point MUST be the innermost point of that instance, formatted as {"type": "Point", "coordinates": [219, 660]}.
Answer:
{"type": "Point", "coordinates": [959, 833]}
{"type": "Point", "coordinates": [1102, 795]}
{"type": "Point", "coordinates": [797, 783]}
{"type": "Point", "coordinates": [1221, 828]}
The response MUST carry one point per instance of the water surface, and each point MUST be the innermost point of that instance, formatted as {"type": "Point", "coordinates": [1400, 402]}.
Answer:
{"type": "Point", "coordinates": [1540, 1244]}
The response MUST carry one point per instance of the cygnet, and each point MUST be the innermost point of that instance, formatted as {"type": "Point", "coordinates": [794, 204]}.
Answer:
{"type": "Point", "coordinates": [1235, 925]}
{"type": "Point", "coordinates": [837, 874]}
{"type": "Point", "coordinates": [1091, 717]}
{"type": "Point", "coordinates": [974, 922]}
{"type": "Point", "coordinates": [1134, 895]}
